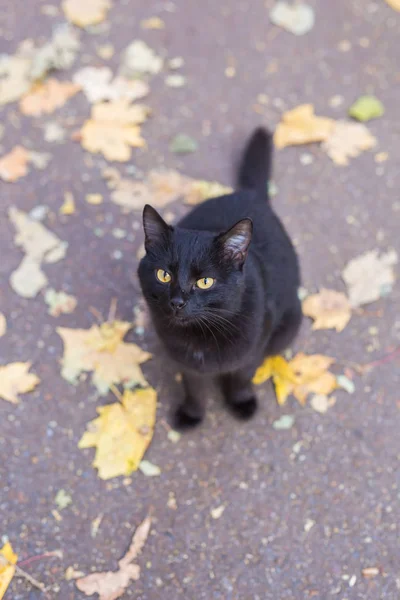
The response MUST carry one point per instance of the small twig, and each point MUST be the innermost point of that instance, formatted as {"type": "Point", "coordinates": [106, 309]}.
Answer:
{"type": "Point", "coordinates": [116, 392]}
{"type": "Point", "coordinates": [113, 310]}
{"type": "Point", "coordinates": [28, 561]}
{"type": "Point", "coordinates": [37, 584]}
{"type": "Point", "coordinates": [96, 313]}
{"type": "Point", "coordinates": [380, 361]}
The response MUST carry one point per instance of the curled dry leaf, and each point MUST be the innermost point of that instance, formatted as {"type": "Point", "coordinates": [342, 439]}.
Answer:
{"type": "Point", "coordinates": [329, 309]}
{"type": "Point", "coordinates": [369, 276]}
{"type": "Point", "coordinates": [122, 433]}
{"type": "Point", "coordinates": [97, 84]}
{"type": "Point", "coordinates": [46, 97]}
{"type": "Point", "coordinates": [298, 19]}
{"type": "Point", "coordinates": [86, 12]}
{"type": "Point", "coordinates": [110, 585]}
{"type": "Point", "coordinates": [15, 379]}
{"type": "Point", "coordinates": [348, 140]}
{"type": "Point", "coordinates": [40, 245]}
{"type": "Point", "coordinates": [8, 560]}
{"type": "Point", "coordinates": [139, 59]}
{"type": "Point", "coordinates": [101, 349]}
{"type": "Point", "coordinates": [113, 129]}
{"type": "Point", "coordinates": [59, 302]}
{"type": "Point", "coordinates": [14, 164]}
{"type": "Point", "coordinates": [301, 376]}
{"type": "Point", "coordinates": [301, 126]}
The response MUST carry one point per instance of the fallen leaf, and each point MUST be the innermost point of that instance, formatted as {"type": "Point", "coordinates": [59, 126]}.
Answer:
{"type": "Point", "coordinates": [40, 245]}
{"type": "Point", "coordinates": [71, 574]}
{"type": "Point", "coordinates": [395, 4]}
{"type": "Point", "coordinates": [347, 140]}
{"type": "Point", "coordinates": [308, 525]}
{"type": "Point", "coordinates": [68, 206]}
{"type": "Point", "coordinates": [8, 560]}
{"type": "Point", "coordinates": [217, 512]}
{"type": "Point", "coordinates": [98, 84]}
{"type": "Point", "coordinates": [298, 19]}
{"type": "Point", "coordinates": [122, 433]}
{"type": "Point", "coordinates": [15, 379]}
{"type": "Point", "coordinates": [106, 51]}
{"type": "Point", "coordinates": [14, 77]}
{"type": "Point", "coordinates": [174, 436]}
{"type": "Point", "coordinates": [95, 525]}
{"type": "Point", "coordinates": [100, 349]}
{"type": "Point", "coordinates": [284, 422]}
{"type": "Point", "coordinates": [199, 190]}
{"type": "Point", "coordinates": [301, 376]}
{"type": "Point", "coordinates": [149, 469]}
{"type": "Point", "coordinates": [53, 132]}
{"type": "Point", "coordinates": [40, 160]}
{"type": "Point", "coordinates": [139, 59]}
{"type": "Point", "coordinates": [183, 144]}
{"type": "Point", "coordinates": [152, 23]}
{"type": "Point", "coordinates": [110, 585]}
{"type": "Point", "coordinates": [14, 164]}
{"type": "Point", "coordinates": [113, 129]}
{"type": "Point", "coordinates": [329, 309]}
{"type": "Point", "coordinates": [366, 108]}
{"type": "Point", "coordinates": [3, 325]}
{"type": "Point", "coordinates": [94, 199]}
{"type": "Point", "coordinates": [59, 53]}
{"type": "Point", "coordinates": [62, 499]}
{"type": "Point", "coordinates": [301, 126]}
{"type": "Point", "coordinates": [369, 276]}
{"type": "Point", "coordinates": [59, 302]}
{"type": "Point", "coordinates": [175, 80]}
{"type": "Point", "coordinates": [320, 403]}
{"type": "Point", "coordinates": [86, 12]}
{"type": "Point", "coordinates": [47, 97]}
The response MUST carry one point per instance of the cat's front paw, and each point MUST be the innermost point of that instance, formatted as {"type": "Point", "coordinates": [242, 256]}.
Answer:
{"type": "Point", "coordinates": [243, 410]}
{"type": "Point", "coordinates": [183, 421]}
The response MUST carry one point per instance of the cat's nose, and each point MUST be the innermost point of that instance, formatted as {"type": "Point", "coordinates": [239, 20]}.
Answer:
{"type": "Point", "coordinates": [177, 303]}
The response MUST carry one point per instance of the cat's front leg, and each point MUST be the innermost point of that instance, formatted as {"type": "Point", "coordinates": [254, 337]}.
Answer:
{"type": "Point", "coordinates": [239, 394]}
{"type": "Point", "coordinates": [192, 410]}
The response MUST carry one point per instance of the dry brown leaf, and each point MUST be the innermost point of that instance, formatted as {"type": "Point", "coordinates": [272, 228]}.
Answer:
{"type": "Point", "coordinates": [114, 128]}
{"type": "Point", "coordinates": [14, 164]}
{"type": "Point", "coordinates": [40, 245]}
{"type": "Point", "coordinates": [370, 276]}
{"type": "Point", "coordinates": [329, 309]}
{"type": "Point", "coordinates": [8, 560]}
{"type": "Point", "coordinates": [347, 140]}
{"type": "Point", "coordinates": [301, 126]}
{"type": "Point", "coordinates": [3, 325]}
{"type": "Point", "coordinates": [110, 585]}
{"type": "Point", "coordinates": [122, 433]}
{"type": "Point", "coordinates": [101, 349]}
{"type": "Point", "coordinates": [46, 97]}
{"type": "Point", "coordinates": [15, 379]}
{"type": "Point", "coordinates": [86, 12]}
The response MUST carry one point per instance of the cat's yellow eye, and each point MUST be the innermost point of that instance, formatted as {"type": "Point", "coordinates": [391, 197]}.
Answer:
{"type": "Point", "coordinates": [205, 283]}
{"type": "Point", "coordinates": [163, 276]}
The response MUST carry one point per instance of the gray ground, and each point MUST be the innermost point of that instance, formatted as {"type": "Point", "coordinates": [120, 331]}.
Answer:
{"type": "Point", "coordinates": [338, 472]}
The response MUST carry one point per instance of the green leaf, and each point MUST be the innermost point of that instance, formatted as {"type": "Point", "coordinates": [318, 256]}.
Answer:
{"type": "Point", "coordinates": [284, 422]}
{"type": "Point", "coordinates": [183, 144]}
{"type": "Point", "coordinates": [62, 499]}
{"type": "Point", "coordinates": [366, 108]}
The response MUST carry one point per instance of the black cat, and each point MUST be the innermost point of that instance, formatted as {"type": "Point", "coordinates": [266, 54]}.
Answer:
{"type": "Point", "coordinates": [222, 287]}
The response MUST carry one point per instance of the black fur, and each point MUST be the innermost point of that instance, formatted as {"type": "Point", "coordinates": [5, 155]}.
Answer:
{"type": "Point", "coordinates": [252, 310]}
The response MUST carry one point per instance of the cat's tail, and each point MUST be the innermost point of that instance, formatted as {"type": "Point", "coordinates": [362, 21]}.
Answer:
{"type": "Point", "coordinates": [256, 165]}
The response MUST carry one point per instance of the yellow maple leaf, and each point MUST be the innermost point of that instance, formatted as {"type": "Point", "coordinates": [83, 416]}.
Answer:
{"type": "Point", "coordinates": [301, 376]}
{"type": "Point", "coordinates": [114, 128]}
{"type": "Point", "coordinates": [199, 190]}
{"type": "Point", "coordinates": [122, 433]}
{"type": "Point", "coordinates": [348, 140]}
{"type": "Point", "coordinates": [46, 97]}
{"type": "Point", "coordinates": [86, 12]}
{"type": "Point", "coordinates": [301, 126]}
{"type": "Point", "coordinates": [15, 379]}
{"type": "Point", "coordinates": [14, 164]}
{"type": "Point", "coordinates": [329, 309]}
{"type": "Point", "coordinates": [8, 559]}
{"type": "Point", "coordinates": [395, 4]}
{"type": "Point", "coordinates": [100, 349]}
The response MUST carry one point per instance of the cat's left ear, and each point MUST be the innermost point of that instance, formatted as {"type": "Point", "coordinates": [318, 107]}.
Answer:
{"type": "Point", "coordinates": [155, 228]}
{"type": "Point", "coordinates": [236, 241]}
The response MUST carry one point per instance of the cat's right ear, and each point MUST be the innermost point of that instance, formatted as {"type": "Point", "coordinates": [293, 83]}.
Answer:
{"type": "Point", "coordinates": [155, 228]}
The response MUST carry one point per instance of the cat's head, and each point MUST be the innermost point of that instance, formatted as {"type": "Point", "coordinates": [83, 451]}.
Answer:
{"type": "Point", "coordinates": [188, 275]}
